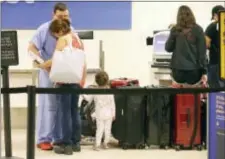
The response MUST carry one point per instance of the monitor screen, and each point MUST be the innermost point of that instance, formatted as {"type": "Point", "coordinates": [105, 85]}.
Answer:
{"type": "Point", "coordinates": [159, 41]}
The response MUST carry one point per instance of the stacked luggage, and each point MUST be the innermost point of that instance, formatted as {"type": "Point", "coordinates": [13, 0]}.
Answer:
{"type": "Point", "coordinates": [155, 119]}
{"type": "Point", "coordinates": [123, 82]}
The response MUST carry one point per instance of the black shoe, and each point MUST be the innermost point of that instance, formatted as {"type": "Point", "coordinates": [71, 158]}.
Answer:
{"type": "Point", "coordinates": [63, 149]}
{"type": "Point", "coordinates": [76, 147]}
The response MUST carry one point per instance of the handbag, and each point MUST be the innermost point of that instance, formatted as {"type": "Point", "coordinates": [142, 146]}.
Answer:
{"type": "Point", "coordinates": [67, 65]}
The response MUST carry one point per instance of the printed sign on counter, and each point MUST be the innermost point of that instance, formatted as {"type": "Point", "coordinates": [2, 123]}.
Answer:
{"type": "Point", "coordinates": [220, 112]}
{"type": "Point", "coordinates": [9, 48]}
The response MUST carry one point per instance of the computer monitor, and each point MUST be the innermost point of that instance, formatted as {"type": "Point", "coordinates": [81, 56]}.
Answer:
{"type": "Point", "coordinates": [159, 40]}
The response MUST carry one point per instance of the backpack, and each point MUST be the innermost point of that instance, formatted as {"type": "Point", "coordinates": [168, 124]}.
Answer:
{"type": "Point", "coordinates": [86, 112]}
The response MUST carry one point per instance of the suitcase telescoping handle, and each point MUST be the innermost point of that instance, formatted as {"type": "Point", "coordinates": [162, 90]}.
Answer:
{"type": "Point", "coordinates": [188, 117]}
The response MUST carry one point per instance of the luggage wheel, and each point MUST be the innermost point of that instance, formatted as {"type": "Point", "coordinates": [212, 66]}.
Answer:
{"type": "Point", "coordinates": [199, 147]}
{"type": "Point", "coordinates": [177, 148]}
{"type": "Point", "coordinates": [125, 146]}
{"type": "Point", "coordinates": [120, 143]}
{"type": "Point", "coordinates": [140, 146]}
{"type": "Point", "coordinates": [164, 147]}
{"type": "Point", "coordinates": [204, 146]}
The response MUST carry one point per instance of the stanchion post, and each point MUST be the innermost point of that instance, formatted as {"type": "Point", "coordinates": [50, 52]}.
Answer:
{"type": "Point", "coordinates": [31, 92]}
{"type": "Point", "coordinates": [6, 113]}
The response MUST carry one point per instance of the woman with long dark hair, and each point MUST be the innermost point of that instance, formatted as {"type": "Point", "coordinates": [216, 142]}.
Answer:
{"type": "Point", "coordinates": [187, 43]}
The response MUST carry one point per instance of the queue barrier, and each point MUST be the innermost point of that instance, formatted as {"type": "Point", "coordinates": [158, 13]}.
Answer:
{"type": "Point", "coordinates": [31, 91]}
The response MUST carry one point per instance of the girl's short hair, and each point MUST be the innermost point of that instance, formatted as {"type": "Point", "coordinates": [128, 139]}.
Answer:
{"type": "Point", "coordinates": [102, 78]}
{"type": "Point", "coordinates": [60, 25]}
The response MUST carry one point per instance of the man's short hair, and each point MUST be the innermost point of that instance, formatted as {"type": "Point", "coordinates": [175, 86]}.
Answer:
{"type": "Point", "coordinates": [60, 6]}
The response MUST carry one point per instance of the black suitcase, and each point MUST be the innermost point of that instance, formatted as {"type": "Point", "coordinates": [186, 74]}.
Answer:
{"type": "Point", "coordinates": [159, 122]}
{"type": "Point", "coordinates": [129, 126]}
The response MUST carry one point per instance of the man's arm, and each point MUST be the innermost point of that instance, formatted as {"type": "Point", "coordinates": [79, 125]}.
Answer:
{"type": "Point", "coordinates": [32, 48]}
{"type": "Point", "coordinates": [208, 41]}
{"type": "Point", "coordinates": [209, 33]}
{"type": "Point", "coordinates": [37, 42]}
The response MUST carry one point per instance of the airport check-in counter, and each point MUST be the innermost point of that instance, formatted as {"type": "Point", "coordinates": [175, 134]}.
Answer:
{"type": "Point", "coordinates": [160, 70]}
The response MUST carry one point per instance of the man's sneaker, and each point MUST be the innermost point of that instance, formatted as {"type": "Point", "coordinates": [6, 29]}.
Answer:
{"type": "Point", "coordinates": [63, 149]}
{"type": "Point", "coordinates": [45, 146]}
{"type": "Point", "coordinates": [76, 147]}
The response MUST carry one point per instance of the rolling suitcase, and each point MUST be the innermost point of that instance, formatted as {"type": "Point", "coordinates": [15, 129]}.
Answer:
{"type": "Point", "coordinates": [129, 126]}
{"type": "Point", "coordinates": [159, 109]}
{"type": "Point", "coordinates": [187, 132]}
{"type": "Point", "coordinates": [122, 82]}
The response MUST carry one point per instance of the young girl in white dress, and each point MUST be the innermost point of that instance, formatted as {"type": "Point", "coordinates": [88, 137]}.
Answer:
{"type": "Point", "coordinates": [104, 111]}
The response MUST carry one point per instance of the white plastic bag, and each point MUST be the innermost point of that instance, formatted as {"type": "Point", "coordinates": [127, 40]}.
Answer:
{"type": "Point", "coordinates": [67, 66]}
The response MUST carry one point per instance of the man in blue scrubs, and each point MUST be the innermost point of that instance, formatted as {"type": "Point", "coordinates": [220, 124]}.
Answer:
{"type": "Point", "coordinates": [43, 44]}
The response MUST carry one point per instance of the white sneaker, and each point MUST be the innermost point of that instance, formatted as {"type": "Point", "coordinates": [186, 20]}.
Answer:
{"type": "Point", "coordinates": [105, 146]}
{"type": "Point", "coordinates": [96, 148]}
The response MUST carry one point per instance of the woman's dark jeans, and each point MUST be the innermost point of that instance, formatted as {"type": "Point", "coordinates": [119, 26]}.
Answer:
{"type": "Point", "coordinates": [68, 117]}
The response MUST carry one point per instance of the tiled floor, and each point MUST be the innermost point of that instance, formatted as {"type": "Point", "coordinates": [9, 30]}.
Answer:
{"type": "Point", "coordinates": [19, 150]}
